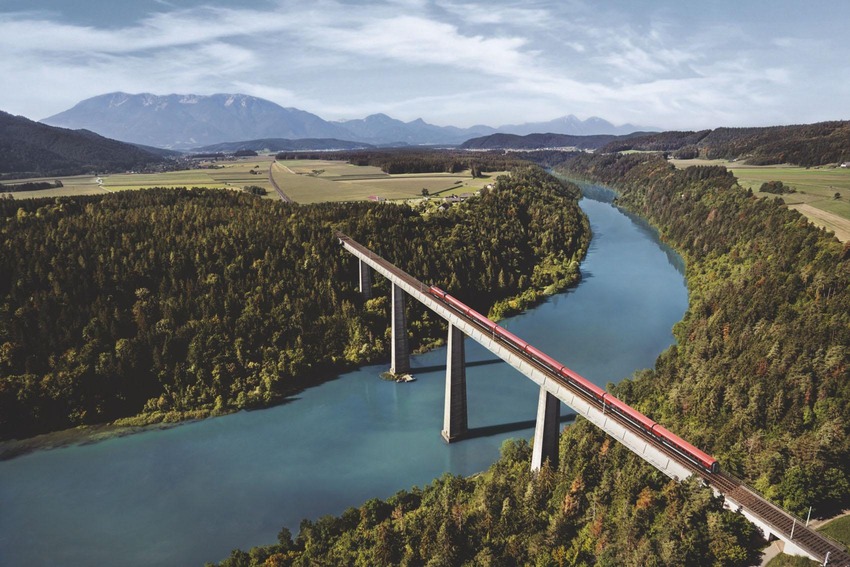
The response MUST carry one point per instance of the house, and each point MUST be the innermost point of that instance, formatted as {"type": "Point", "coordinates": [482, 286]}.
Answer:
{"type": "Point", "coordinates": [377, 199]}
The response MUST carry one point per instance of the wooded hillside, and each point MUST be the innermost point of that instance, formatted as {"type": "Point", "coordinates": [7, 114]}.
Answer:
{"type": "Point", "coordinates": [31, 149]}
{"type": "Point", "coordinates": [760, 375]}
{"type": "Point", "coordinates": [182, 303]}
{"type": "Point", "coordinates": [805, 145]}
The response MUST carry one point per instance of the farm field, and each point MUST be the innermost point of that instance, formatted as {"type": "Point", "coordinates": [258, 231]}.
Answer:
{"type": "Point", "coordinates": [314, 181]}
{"type": "Point", "coordinates": [233, 174]}
{"type": "Point", "coordinates": [816, 188]}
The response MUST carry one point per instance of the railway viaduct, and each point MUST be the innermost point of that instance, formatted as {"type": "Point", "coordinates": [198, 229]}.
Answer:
{"type": "Point", "coordinates": [774, 522]}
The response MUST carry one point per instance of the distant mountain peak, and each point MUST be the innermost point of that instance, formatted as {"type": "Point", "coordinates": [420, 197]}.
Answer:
{"type": "Point", "coordinates": [186, 121]}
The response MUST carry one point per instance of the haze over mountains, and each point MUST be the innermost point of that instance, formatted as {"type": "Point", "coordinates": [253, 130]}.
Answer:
{"type": "Point", "coordinates": [190, 121]}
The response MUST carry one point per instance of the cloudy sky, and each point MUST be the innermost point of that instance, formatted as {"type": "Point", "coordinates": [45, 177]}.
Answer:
{"type": "Point", "coordinates": [670, 64]}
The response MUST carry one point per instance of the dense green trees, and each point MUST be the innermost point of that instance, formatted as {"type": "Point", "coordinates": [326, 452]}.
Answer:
{"type": "Point", "coordinates": [804, 144]}
{"type": "Point", "coordinates": [178, 303]}
{"type": "Point", "coordinates": [417, 160]}
{"type": "Point", "coordinates": [776, 187]}
{"type": "Point", "coordinates": [760, 375]}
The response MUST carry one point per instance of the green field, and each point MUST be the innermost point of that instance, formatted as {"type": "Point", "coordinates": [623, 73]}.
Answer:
{"type": "Point", "coordinates": [838, 529]}
{"type": "Point", "coordinates": [304, 181]}
{"type": "Point", "coordinates": [314, 181]}
{"type": "Point", "coordinates": [815, 189]}
{"type": "Point", "coordinates": [233, 174]}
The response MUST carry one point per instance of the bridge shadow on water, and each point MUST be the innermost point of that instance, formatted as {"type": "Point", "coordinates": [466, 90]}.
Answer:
{"type": "Point", "coordinates": [487, 431]}
{"type": "Point", "coordinates": [438, 367]}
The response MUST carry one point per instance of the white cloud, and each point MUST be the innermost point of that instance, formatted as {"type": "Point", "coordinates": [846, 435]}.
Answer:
{"type": "Point", "coordinates": [515, 15]}
{"type": "Point", "coordinates": [445, 60]}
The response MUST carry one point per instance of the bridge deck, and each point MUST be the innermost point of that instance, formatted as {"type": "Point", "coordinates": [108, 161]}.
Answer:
{"type": "Point", "coordinates": [769, 517]}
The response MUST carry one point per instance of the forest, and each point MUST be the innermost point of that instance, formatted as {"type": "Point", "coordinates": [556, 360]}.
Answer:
{"type": "Point", "coordinates": [807, 145]}
{"type": "Point", "coordinates": [161, 305]}
{"type": "Point", "coordinates": [758, 377]}
{"type": "Point", "coordinates": [416, 160]}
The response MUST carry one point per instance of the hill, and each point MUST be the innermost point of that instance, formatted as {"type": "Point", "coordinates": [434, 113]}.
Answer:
{"type": "Point", "coordinates": [501, 141]}
{"type": "Point", "coordinates": [805, 144]}
{"type": "Point", "coordinates": [31, 149]}
{"type": "Point", "coordinates": [285, 145]}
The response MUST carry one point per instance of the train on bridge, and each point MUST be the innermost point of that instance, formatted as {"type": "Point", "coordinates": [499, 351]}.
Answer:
{"type": "Point", "coordinates": [606, 400]}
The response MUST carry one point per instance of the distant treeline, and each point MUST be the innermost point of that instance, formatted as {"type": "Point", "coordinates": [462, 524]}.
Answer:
{"type": "Point", "coordinates": [31, 186]}
{"type": "Point", "coordinates": [402, 160]}
{"type": "Point", "coordinates": [805, 145]}
{"type": "Point", "coordinates": [167, 304]}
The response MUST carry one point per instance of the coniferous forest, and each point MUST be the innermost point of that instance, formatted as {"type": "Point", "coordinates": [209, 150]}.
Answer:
{"type": "Point", "coordinates": [759, 377]}
{"type": "Point", "coordinates": [164, 304]}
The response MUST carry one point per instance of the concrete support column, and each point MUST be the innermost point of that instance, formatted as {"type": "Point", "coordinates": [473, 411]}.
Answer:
{"type": "Point", "coordinates": [455, 416]}
{"type": "Point", "coordinates": [399, 350]}
{"type": "Point", "coordinates": [546, 432]}
{"type": "Point", "coordinates": [365, 279]}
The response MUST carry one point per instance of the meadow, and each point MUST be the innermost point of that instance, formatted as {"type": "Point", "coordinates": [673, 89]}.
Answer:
{"type": "Point", "coordinates": [303, 181]}
{"type": "Point", "coordinates": [229, 174]}
{"type": "Point", "coordinates": [815, 187]}
{"type": "Point", "coordinates": [314, 181]}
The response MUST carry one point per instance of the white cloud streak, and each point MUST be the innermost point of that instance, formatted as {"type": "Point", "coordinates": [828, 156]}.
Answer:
{"type": "Point", "coordinates": [449, 60]}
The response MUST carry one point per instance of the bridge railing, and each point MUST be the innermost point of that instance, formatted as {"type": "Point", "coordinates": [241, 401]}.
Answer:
{"type": "Point", "coordinates": [423, 288]}
{"type": "Point", "coordinates": [792, 518]}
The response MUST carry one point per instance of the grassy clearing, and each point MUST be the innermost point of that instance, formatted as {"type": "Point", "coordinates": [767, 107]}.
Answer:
{"type": "Point", "coordinates": [304, 181]}
{"type": "Point", "coordinates": [816, 188]}
{"type": "Point", "coordinates": [332, 169]}
{"type": "Point", "coordinates": [233, 174]}
{"type": "Point", "coordinates": [838, 529]}
{"type": "Point", "coordinates": [314, 181]}
{"type": "Point", "coordinates": [783, 560]}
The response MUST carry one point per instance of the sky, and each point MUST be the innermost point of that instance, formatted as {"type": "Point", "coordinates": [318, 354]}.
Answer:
{"type": "Point", "coordinates": [654, 63]}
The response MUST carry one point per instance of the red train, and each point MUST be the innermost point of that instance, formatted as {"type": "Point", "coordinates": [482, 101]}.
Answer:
{"type": "Point", "coordinates": [608, 401]}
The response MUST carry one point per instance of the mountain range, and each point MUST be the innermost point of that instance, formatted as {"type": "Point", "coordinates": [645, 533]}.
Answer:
{"type": "Point", "coordinates": [190, 121]}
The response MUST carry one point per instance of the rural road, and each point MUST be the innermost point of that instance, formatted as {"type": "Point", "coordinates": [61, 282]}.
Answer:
{"type": "Point", "coordinates": [277, 188]}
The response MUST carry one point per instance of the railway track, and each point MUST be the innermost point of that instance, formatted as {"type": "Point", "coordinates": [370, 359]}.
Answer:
{"type": "Point", "coordinates": [283, 196]}
{"type": "Point", "coordinates": [733, 489]}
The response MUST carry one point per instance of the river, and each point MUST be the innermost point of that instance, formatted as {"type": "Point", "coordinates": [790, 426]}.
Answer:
{"type": "Point", "coordinates": [190, 494]}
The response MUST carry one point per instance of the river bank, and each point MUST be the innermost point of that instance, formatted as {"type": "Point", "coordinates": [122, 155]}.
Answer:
{"type": "Point", "coordinates": [189, 494]}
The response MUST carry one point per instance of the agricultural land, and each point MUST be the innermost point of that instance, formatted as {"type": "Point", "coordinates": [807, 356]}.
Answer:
{"type": "Point", "coordinates": [815, 189]}
{"type": "Point", "coordinates": [223, 174]}
{"type": "Point", "coordinates": [314, 181]}
{"type": "Point", "coordinates": [303, 181]}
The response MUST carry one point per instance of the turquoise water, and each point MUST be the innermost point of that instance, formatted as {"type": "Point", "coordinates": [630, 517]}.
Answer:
{"type": "Point", "coordinates": [192, 493]}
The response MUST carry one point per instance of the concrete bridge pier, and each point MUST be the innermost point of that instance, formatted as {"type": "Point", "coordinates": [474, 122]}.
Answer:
{"type": "Point", "coordinates": [365, 279]}
{"type": "Point", "coordinates": [399, 350]}
{"type": "Point", "coordinates": [455, 414]}
{"type": "Point", "coordinates": [545, 447]}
